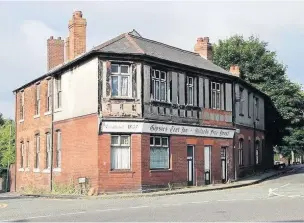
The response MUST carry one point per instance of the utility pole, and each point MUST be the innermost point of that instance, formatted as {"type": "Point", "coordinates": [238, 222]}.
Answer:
{"type": "Point", "coordinates": [8, 161]}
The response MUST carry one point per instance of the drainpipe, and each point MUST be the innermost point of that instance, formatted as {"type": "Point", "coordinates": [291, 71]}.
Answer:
{"type": "Point", "coordinates": [52, 134]}
{"type": "Point", "coordinates": [233, 124]}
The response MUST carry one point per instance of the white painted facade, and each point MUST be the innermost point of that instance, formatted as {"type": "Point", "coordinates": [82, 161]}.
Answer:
{"type": "Point", "coordinates": [79, 91]}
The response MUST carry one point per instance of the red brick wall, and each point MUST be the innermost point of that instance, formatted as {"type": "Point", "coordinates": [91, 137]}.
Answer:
{"type": "Point", "coordinates": [141, 177]}
{"type": "Point", "coordinates": [112, 180]}
{"type": "Point", "coordinates": [26, 130]}
{"type": "Point", "coordinates": [79, 150]}
{"type": "Point", "coordinates": [55, 52]}
{"type": "Point", "coordinates": [248, 133]}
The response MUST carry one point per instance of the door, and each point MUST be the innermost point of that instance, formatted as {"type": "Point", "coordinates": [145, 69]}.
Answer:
{"type": "Point", "coordinates": [190, 162]}
{"type": "Point", "coordinates": [207, 164]}
{"type": "Point", "coordinates": [224, 164]}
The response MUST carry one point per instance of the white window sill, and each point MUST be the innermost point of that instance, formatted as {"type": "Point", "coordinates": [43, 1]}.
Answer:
{"type": "Point", "coordinates": [27, 169]}
{"type": "Point", "coordinates": [22, 120]}
{"type": "Point", "coordinates": [37, 116]}
{"type": "Point", "coordinates": [57, 170]}
{"type": "Point", "coordinates": [21, 169]}
{"type": "Point", "coordinates": [46, 171]}
{"type": "Point", "coordinates": [48, 113]}
{"type": "Point", "coordinates": [58, 110]}
{"type": "Point", "coordinates": [35, 170]}
{"type": "Point", "coordinates": [122, 98]}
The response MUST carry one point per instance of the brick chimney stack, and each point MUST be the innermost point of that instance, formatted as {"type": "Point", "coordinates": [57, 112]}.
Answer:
{"type": "Point", "coordinates": [204, 48]}
{"type": "Point", "coordinates": [76, 42]}
{"type": "Point", "coordinates": [55, 52]}
{"type": "Point", "coordinates": [235, 70]}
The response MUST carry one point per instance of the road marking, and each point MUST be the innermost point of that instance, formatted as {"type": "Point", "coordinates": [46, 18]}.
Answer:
{"type": "Point", "coordinates": [2, 205]}
{"type": "Point", "coordinates": [271, 192]}
{"type": "Point", "coordinates": [145, 206]}
{"type": "Point", "coordinates": [285, 185]}
{"type": "Point", "coordinates": [292, 196]}
{"type": "Point", "coordinates": [110, 209]}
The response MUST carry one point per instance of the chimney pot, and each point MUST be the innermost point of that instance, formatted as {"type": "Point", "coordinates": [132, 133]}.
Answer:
{"type": "Point", "coordinates": [200, 39]}
{"type": "Point", "coordinates": [51, 37]}
{"type": "Point", "coordinates": [77, 14]}
{"type": "Point", "coordinates": [59, 38]}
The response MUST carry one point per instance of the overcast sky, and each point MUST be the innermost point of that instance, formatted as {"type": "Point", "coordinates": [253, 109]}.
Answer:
{"type": "Point", "coordinates": [25, 28]}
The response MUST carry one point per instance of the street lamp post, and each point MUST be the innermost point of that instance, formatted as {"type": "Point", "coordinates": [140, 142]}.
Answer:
{"type": "Point", "coordinates": [8, 160]}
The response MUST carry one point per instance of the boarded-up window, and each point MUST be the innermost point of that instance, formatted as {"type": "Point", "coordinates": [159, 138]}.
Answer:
{"type": "Point", "coordinates": [48, 151]}
{"type": "Point", "coordinates": [49, 95]}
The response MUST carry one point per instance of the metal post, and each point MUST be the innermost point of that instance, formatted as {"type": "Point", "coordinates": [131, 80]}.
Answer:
{"type": "Point", "coordinates": [8, 161]}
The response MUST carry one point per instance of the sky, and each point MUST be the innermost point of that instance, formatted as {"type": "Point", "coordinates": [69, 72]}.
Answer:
{"type": "Point", "coordinates": [25, 27]}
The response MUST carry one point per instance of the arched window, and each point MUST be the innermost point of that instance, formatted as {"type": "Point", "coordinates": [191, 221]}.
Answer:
{"type": "Point", "coordinates": [241, 158]}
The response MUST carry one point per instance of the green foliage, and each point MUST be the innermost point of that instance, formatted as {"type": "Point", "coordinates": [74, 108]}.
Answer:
{"type": "Point", "coordinates": [260, 67]}
{"type": "Point", "coordinates": [7, 143]}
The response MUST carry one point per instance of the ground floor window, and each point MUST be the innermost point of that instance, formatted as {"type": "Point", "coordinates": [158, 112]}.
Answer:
{"type": "Point", "coordinates": [120, 152]}
{"type": "Point", "coordinates": [159, 152]}
{"type": "Point", "coordinates": [241, 144]}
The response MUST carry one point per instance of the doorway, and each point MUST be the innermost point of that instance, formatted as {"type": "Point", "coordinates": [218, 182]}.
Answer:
{"type": "Point", "coordinates": [207, 164]}
{"type": "Point", "coordinates": [224, 164]}
{"type": "Point", "coordinates": [190, 162]}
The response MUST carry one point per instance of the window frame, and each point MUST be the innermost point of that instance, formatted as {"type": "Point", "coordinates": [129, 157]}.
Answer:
{"type": "Point", "coordinates": [58, 149]}
{"type": "Point", "coordinates": [257, 107]}
{"type": "Point", "coordinates": [27, 154]}
{"type": "Point", "coordinates": [49, 95]}
{"type": "Point", "coordinates": [162, 81]}
{"type": "Point", "coordinates": [120, 76]}
{"type": "Point", "coordinates": [48, 150]}
{"type": "Point", "coordinates": [22, 155]}
{"type": "Point", "coordinates": [119, 145]}
{"type": "Point", "coordinates": [216, 92]}
{"type": "Point", "coordinates": [242, 101]}
{"type": "Point", "coordinates": [241, 152]}
{"type": "Point", "coordinates": [160, 146]}
{"type": "Point", "coordinates": [21, 114]}
{"type": "Point", "coordinates": [37, 151]}
{"type": "Point", "coordinates": [190, 86]}
{"type": "Point", "coordinates": [248, 104]}
{"type": "Point", "coordinates": [58, 82]}
{"type": "Point", "coordinates": [37, 99]}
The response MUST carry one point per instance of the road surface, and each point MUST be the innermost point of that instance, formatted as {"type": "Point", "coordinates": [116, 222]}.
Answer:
{"type": "Point", "coordinates": [278, 199]}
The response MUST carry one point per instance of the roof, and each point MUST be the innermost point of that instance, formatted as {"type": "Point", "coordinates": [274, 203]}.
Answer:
{"type": "Point", "coordinates": [133, 43]}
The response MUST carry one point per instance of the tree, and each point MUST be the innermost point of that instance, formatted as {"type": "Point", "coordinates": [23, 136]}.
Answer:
{"type": "Point", "coordinates": [7, 143]}
{"type": "Point", "coordinates": [1, 119]}
{"type": "Point", "coordinates": [259, 67]}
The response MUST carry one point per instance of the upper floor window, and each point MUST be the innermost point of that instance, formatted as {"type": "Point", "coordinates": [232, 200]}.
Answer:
{"type": "Point", "coordinates": [58, 92]}
{"type": "Point", "coordinates": [120, 80]}
{"type": "Point", "coordinates": [242, 101]}
{"type": "Point", "coordinates": [21, 105]}
{"type": "Point", "coordinates": [159, 85]}
{"type": "Point", "coordinates": [190, 91]}
{"type": "Point", "coordinates": [49, 95]}
{"type": "Point", "coordinates": [215, 95]}
{"type": "Point", "coordinates": [37, 99]}
{"type": "Point", "coordinates": [249, 103]}
{"type": "Point", "coordinates": [256, 107]}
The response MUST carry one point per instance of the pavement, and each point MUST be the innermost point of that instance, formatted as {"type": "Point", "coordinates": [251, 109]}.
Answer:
{"type": "Point", "coordinates": [277, 199]}
{"type": "Point", "coordinates": [193, 189]}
